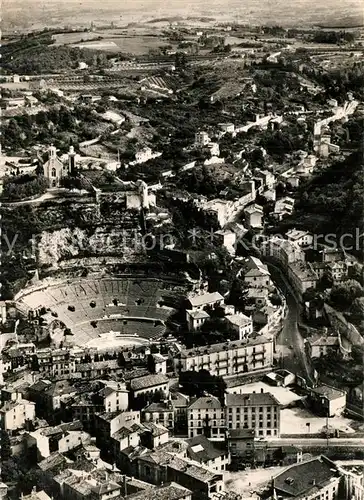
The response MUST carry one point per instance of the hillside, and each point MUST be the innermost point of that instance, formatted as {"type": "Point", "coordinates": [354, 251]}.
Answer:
{"type": "Point", "coordinates": [331, 203]}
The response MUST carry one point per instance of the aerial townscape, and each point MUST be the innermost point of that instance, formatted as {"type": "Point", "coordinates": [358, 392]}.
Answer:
{"type": "Point", "coordinates": [182, 235]}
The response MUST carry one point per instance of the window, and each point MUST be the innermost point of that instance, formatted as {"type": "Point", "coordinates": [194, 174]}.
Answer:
{"type": "Point", "coordinates": [54, 172]}
{"type": "Point", "coordinates": [268, 433]}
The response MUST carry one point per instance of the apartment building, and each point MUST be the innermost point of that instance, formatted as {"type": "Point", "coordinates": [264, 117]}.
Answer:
{"type": "Point", "coordinates": [229, 358]}
{"type": "Point", "coordinates": [206, 416]}
{"type": "Point", "coordinates": [285, 251]}
{"type": "Point", "coordinates": [302, 276]}
{"type": "Point", "coordinates": [259, 411]}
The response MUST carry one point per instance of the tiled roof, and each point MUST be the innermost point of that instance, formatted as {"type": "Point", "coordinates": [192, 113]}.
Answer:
{"type": "Point", "coordinates": [328, 392]}
{"type": "Point", "coordinates": [172, 491]}
{"type": "Point", "coordinates": [155, 429]}
{"type": "Point", "coordinates": [188, 467]}
{"type": "Point", "coordinates": [239, 320]}
{"type": "Point", "coordinates": [148, 381]}
{"type": "Point", "coordinates": [203, 450]}
{"type": "Point", "coordinates": [253, 399]}
{"type": "Point", "coordinates": [205, 402]}
{"type": "Point", "coordinates": [305, 478]}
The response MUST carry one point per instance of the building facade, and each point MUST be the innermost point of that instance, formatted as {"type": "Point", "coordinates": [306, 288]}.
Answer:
{"type": "Point", "coordinates": [231, 358]}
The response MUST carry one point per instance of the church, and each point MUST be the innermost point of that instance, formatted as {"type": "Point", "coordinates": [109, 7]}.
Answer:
{"type": "Point", "coordinates": [54, 169]}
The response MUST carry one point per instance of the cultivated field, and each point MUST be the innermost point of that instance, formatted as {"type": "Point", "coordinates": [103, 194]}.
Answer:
{"type": "Point", "coordinates": [34, 14]}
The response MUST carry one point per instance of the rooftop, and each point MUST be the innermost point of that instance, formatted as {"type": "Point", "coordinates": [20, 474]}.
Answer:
{"type": "Point", "coordinates": [225, 346]}
{"type": "Point", "coordinates": [172, 491]}
{"type": "Point", "coordinates": [239, 319]}
{"type": "Point", "coordinates": [161, 457]}
{"type": "Point", "coordinates": [253, 399]}
{"type": "Point", "coordinates": [206, 298]}
{"type": "Point", "coordinates": [328, 392]}
{"type": "Point", "coordinates": [202, 449]}
{"type": "Point", "coordinates": [324, 340]}
{"type": "Point", "coordinates": [304, 478]}
{"type": "Point", "coordinates": [205, 402]}
{"type": "Point", "coordinates": [148, 381]}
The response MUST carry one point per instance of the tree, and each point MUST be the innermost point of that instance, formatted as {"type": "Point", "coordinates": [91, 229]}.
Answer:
{"type": "Point", "coordinates": [5, 446]}
{"type": "Point", "coordinates": [197, 383]}
{"type": "Point", "coordinates": [342, 296]}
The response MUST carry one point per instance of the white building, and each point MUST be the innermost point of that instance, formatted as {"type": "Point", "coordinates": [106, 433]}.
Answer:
{"type": "Point", "coordinates": [258, 411]}
{"type": "Point", "coordinates": [201, 139]}
{"type": "Point", "coordinates": [230, 358]}
{"type": "Point", "coordinates": [206, 416]}
{"type": "Point", "coordinates": [301, 238]}
{"type": "Point", "coordinates": [15, 414]}
{"type": "Point", "coordinates": [242, 324]}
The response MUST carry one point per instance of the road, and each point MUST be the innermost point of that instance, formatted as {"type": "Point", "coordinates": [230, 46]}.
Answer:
{"type": "Point", "coordinates": [289, 343]}
{"type": "Point", "coordinates": [345, 442]}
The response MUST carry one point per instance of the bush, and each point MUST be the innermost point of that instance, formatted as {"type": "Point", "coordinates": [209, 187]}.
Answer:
{"type": "Point", "coordinates": [24, 186]}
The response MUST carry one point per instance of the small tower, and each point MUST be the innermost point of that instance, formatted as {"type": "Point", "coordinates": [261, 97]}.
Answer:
{"type": "Point", "coordinates": [71, 160]}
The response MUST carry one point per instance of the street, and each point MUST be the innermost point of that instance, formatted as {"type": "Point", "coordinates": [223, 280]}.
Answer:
{"type": "Point", "coordinates": [347, 442]}
{"type": "Point", "coordinates": [289, 342]}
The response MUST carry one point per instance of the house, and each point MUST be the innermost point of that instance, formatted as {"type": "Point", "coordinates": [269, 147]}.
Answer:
{"type": "Point", "coordinates": [160, 413]}
{"type": "Point", "coordinates": [241, 323]}
{"type": "Point", "coordinates": [259, 411]}
{"type": "Point", "coordinates": [301, 238]}
{"type": "Point", "coordinates": [48, 396]}
{"type": "Point", "coordinates": [254, 216]}
{"type": "Point", "coordinates": [283, 207]}
{"type": "Point", "coordinates": [201, 139]}
{"type": "Point", "coordinates": [323, 345]}
{"type": "Point", "coordinates": [213, 149]}
{"type": "Point", "coordinates": [160, 467]}
{"type": "Point", "coordinates": [115, 397]}
{"type": "Point", "coordinates": [227, 127]}
{"type": "Point", "coordinates": [150, 384]}
{"type": "Point", "coordinates": [61, 438]}
{"type": "Point", "coordinates": [241, 443]}
{"type": "Point", "coordinates": [258, 277]}
{"type": "Point", "coordinates": [327, 401]}
{"type": "Point", "coordinates": [171, 491]}
{"type": "Point", "coordinates": [145, 155]}
{"type": "Point", "coordinates": [180, 404]}
{"type": "Point", "coordinates": [195, 319]}
{"type": "Point", "coordinates": [229, 358]}
{"type": "Point", "coordinates": [316, 478]}
{"type": "Point", "coordinates": [36, 495]}
{"type": "Point", "coordinates": [108, 423]}
{"type": "Point", "coordinates": [199, 302]}
{"type": "Point", "coordinates": [154, 435]}
{"type": "Point", "coordinates": [227, 239]}
{"type": "Point", "coordinates": [202, 450]}
{"type": "Point", "coordinates": [281, 378]}
{"type": "Point", "coordinates": [291, 455]}
{"type": "Point", "coordinates": [124, 438]}
{"type": "Point", "coordinates": [205, 416]}
{"type": "Point", "coordinates": [15, 414]}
